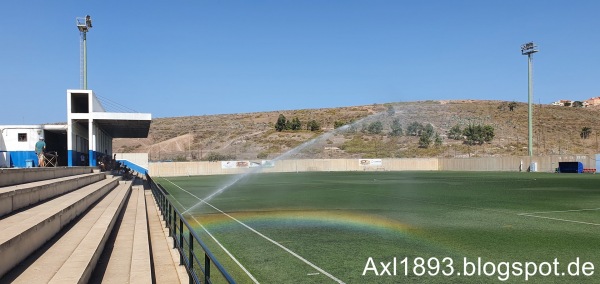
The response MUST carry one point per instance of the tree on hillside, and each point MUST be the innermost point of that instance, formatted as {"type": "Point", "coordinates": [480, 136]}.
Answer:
{"type": "Point", "coordinates": [437, 141]}
{"type": "Point", "coordinates": [295, 124]}
{"type": "Point", "coordinates": [375, 127]}
{"type": "Point", "coordinates": [424, 140]}
{"type": "Point", "coordinates": [488, 133]}
{"type": "Point", "coordinates": [280, 125]}
{"type": "Point", "coordinates": [414, 129]}
{"type": "Point", "coordinates": [313, 125]}
{"type": "Point", "coordinates": [512, 105]}
{"type": "Point", "coordinates": [577, 104]}
{"type": "Point", "coordinates": [473, 134]}
{"type": "Point", "coordinates": [429, 130]}
{"type": "Point", "coordinates": [455, 132]}
{"type": "Point", "coordinates": [390, 110]}
{"type": "Point", "coordinates": [338, 124]}
{"type": "Point", "coordinates": [427, 136]}
{"type": "Point", "coordinates": [478, 134]}
{"type": "Point", "coordinates": [396, 128]}
{"type": "Point", "coordinates": [585, 132]}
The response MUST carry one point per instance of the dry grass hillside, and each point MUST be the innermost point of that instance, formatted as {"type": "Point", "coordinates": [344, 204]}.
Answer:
{"type": "Point", "coordinates": [252, 135]}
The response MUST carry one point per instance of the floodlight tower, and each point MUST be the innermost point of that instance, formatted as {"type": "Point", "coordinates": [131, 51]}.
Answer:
{"type": "Point", "coordinates": [84, 24]}
{"type": "Point", "coordinates": [529, 49]}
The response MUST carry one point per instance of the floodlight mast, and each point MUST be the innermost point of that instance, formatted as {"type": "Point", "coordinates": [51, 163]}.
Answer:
{"type": "Point", "coordinates": [529, 49]}
{"type": "Point", "coordinates": [84, 24]}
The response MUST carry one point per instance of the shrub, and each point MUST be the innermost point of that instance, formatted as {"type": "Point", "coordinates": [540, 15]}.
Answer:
{"type": "Point", "coordinates": [455, 132]}
{"type": "Point", "coordinates": [313, 125]}
{"type": "Point", "coordinates": [585, 132]}
{"type": "Point", "coordinates": [424, 140]}
{"type": "Point", "coordinates": [478, 134]}
{"type": "Point", "coordinates": [214, 157]}
{"type": "Point", "coordinates": [295, 124]}
{"type": "Point", "coordinates": [414, 129]}
{"type": "Point", "coordinates": [375, 127]}
{"type": "Point", "coordinates": [338, 124]}
{"type": "Point", "coordinates": [262, 155]}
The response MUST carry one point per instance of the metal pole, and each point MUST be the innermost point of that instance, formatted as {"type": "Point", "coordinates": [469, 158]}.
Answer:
{"type": "Point", "coordinates": [206, 268]}
{"type": "Point", "coordinates": [84, 61]}
{"type": "Point", "coordinates": [191, 257]}
{"type": "Point", "coordinates": [181, 252]}
{"type": "Point", "coordinates": [530, 102]}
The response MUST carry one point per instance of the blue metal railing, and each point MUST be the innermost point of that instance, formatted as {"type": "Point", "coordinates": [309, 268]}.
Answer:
{"type": "Point", "coordinates": [184, 238]}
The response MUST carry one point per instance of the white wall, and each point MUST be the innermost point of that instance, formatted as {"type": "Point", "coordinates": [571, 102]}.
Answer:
{"type": "Point", "coordinates": [77, 134]}
{"type": "Point", "coordinates": [301, 165]}
{"type": "Point", "coordinates": [95, 105]}
{"type": "Point", "coordinates": [140, 159]}
{"type": "Point", "coordinates": [10, 140]}
{"type": "Point", "coordinates": [544, 164]}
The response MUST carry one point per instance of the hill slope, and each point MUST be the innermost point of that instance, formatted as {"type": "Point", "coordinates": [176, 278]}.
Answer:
{"type": "Point", "coordinates": [253, 136]}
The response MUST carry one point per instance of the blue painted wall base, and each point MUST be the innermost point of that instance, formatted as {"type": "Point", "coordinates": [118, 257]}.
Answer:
{"type": "Point", "coordinates": [133, 166]}
{"type": "Point", "coordinates": [18, 159]}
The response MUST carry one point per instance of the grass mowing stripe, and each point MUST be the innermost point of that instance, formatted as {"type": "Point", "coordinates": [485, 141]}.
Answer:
{"type": "Point", "coordinates": [263, 236]}
{"type": "Point", "coordinates": [216, 241]}
{"type": "Point", "coordinates": [426, 202]}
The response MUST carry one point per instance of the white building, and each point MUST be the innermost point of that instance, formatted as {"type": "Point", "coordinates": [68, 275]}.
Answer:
{"type": "Point", "coordinates": [89, 132]}
{"type": "Point", "coordinates": [17, 143]}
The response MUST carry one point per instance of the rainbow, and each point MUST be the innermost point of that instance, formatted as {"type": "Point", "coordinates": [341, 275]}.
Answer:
{"type": "Point", "coordinates": [337, 219]}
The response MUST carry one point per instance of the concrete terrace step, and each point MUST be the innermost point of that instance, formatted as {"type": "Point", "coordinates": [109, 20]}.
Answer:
{"type": "Point", "coordinates": [128, 257]}
{"type": "Point", "coordinates": [166, 260]}
{"type": "Point", "coordinates": [19, 176]}
{"type": "Point", "coordinates": [141, 272]}
{"type": "Point", "coordinates": [47, 264]}
{"type": "Point", "coordinates": [79, 266]}
{"type": "Point", "coordinates": [15, 197]}
{"type": "Point", "coordinates": [26, 231]}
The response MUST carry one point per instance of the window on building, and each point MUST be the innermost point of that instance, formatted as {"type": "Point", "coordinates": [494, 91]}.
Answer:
{"type": "Point", "coordinates": [22, 137]}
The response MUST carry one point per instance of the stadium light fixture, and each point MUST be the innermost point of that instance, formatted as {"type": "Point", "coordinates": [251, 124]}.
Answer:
{"type": "Point", "coordinates": [84, 24]}
{"type": "Point", "coordinates": [529, 49]}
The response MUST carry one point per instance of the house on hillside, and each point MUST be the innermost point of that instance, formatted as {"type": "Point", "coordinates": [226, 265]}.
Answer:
{"type": "Point", "coordinates": [563, 103]}
{"type": "Point", "coordinates": [593, 101]}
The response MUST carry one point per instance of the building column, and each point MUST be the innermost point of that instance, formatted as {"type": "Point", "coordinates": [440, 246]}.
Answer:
{"type": "Point", "coordinates": [70, 157]}
{"type": "Point", "coordinates": [91, 143]}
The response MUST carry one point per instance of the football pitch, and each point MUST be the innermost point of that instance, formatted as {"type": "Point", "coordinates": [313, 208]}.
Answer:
{"type": "Point", "coordinates": [397, 227]}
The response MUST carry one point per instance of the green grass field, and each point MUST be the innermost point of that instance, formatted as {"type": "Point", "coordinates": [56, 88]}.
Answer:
{"type": "Point", "coordinates": [324, 227]}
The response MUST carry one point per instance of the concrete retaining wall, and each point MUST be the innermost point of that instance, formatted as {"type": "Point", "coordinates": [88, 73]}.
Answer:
{"type": "Point", "coordinates": [514, 164]}
{"type": "Point", "coordinates": [304, 165]}
{"type": "Point", "coordinates": [138, 159]}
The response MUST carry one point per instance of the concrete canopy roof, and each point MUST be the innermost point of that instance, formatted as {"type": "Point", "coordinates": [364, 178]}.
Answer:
{"type": "Point", "coordinates": [124, 125]}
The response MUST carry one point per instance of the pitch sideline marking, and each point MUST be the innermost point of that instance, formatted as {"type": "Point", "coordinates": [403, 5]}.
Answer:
{"type": "Point", "coordinates": [263, 236]}
{"type": "Point", "coordinates": [562, 211]}
{"type": "Point", "coordinates": [219, 243]}
{"type": "Point", "coordinates": [558, 219]}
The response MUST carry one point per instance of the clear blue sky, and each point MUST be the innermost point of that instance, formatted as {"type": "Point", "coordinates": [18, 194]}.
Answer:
{"type": "Point", "coordinates": [179, 58]}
